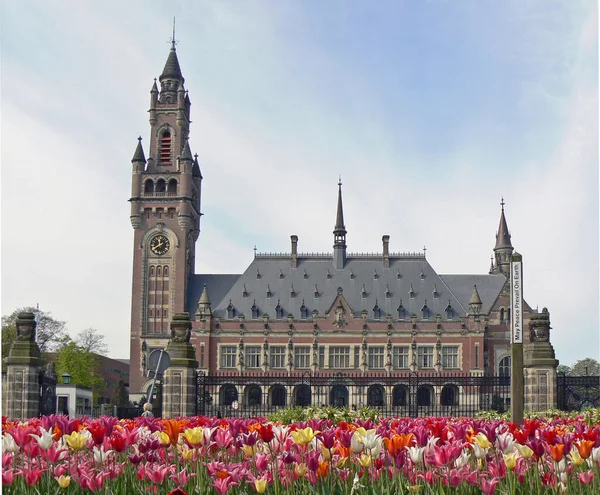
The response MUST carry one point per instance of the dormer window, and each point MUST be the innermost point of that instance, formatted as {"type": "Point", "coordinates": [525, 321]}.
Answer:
{"type": "Point", "coordinates": [292, 291]}
{"type": "Point", "coordinates": [364, 291]}
{"type": "Point", "coordinates": [257, 273]}
{"type": "Point", "coordinates": [254, 310]}
{"type": "Point", "coordinates": [245, 292]}
{"type": "Point", "coordinates": [422, 274]}
{"type": "Point", "coordinates": [305, 275]}
{"type": "Point", "coordinates": [269, 293]}
{"type": "Point", "coordinates": [165, 148]}
{"type": "Point", "coordinates": [278, 311]}
{"type": "Point", "coordinates": [388, 294]}
{"type": "Point", "coordinates": [449, 311]}
{"type": "Point", "coordinates": [328, 274]}
{"type": "Point", "coordinates": [398, 275]}
{"type": "Point", "coordinates": [435, 292]}
{"type": "Point", "coordinates": [411, 291]}
{"type": "Point", "coordinates": [401, 312]}
{"type": "Point", "coordinates": [352, 275]}
{"type": "Point", "coordinates": [375, 275]}
{"type": "Point", "coordinates": [425, 311]}
{"type": "Point", "coordinates": [230, 311]}
{"type": "Point", "coordinates": [501, 315]}
{"type": "Point", "coordinates": [280, 273]}
{"type": "Point", "coordinates": [376, 312]}
{"type": "Point", "coordinates": [316, 291]}
{"type": "Point", "coordinates": [303, 311]}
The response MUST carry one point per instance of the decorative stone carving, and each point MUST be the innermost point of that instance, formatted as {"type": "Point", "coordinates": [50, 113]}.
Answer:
{"type": "Point", "coordinates": [26, 327]}
{"type": "Point", "coordinates": [539, 326]}
{"type": "Point", "coordinates": [181, 328]}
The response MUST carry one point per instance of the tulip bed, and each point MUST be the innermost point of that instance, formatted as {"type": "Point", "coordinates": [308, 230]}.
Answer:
{"type": "Point", "coordinates": [202, 455]}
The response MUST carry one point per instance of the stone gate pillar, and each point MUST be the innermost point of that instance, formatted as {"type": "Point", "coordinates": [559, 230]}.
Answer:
{"type": "Point", "coordinates": [540, 365]}
{"type": "Point", "coordinates": [179, 391]}
{"type": "Point", "coordinates": [23, 366]}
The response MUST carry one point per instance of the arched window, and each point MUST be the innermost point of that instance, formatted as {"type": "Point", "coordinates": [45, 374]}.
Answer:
{"type": "Point", "coordinates": [158, 271]}
{"type": "Point", "coordinates": [375, 395]}
{"type": "Point", "coordinates": [253, 395]}
{"type": "Point", "coordinates": [399, 396]}
{"type": "Point", "coordinates": [149, 187]}
{"type": "Point", "coordinates": [161, 186]}
{"type": "Point", "coordinates": [504, 366]}
{"type": "Point", "coordinates": [230, 311]}
{"type": "Point", "coordinates": [508, 315]}
{"type": "Point", "coordinates": [254, 311]}
{"type": "Point", "coordinates": [303, 395]}
{"type": "Point", "coordinates": [303, 311]}
{"type": "Point", "coordinates": [424, 394]}
{"type": "Point", "coordinates": [172, 187]}
{"type": "Point", "coordinates": [376, 312]}
{"type": "Point", "coordinates": [166, 271]}
{"type": "Point", "coordinates": [449, 312]}
{"type": "Point", "coordinates": [278, 311]}
{"type": "Point", "coordinates": [425, 311]}
{"type": "Point", "coordinates": [152, 271]}
{"type": "Point", "coordinates": [501, 315]}
{"type": "Point", "coordinates": [227, 394]}
{"type": "Point", "coordinates": [278, 395]}
{"type": "Point", "coordinates": [449, 395]}
{"type": "Point", "coordinates": [401, 312]}
{"type": "Point", "coordinates": [165, 147]}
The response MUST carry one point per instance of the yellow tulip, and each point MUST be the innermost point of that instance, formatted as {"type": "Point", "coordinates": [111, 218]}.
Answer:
{"type": "Point", "coordinates": [482, 441]}
{"type": "Point", "coordinates": [326, 453]}
{"type": "Point", "coordinates": [510, 460]}
{"type": "Point", "coordinates": [365, 460]}
{"type": "Point", "coordinates": [63, 481]}
{"type": "Point", "coordinates": [575, 457]}
{"type": "Point", "coordinates": [305, 436]}
{"type": "Point", "coordinates": [194, 435]}
{"type": "Point", "coordinates": [524, 450]}
{"type": "Point", "coordinates": [185, 452]}
{"type": "Point", "coordinates": [248, 450]}
{"type": "Point", "coordinates": [301, 470]}
{"type": "Point", "coordinates": [414, 488]}
{"type": "Point", "coordinates": [260, 485]}
{"type": "Point", "coordinates": [75, 440]}
{"type": "Point", "coordinates": [163, 438]}
{"type": "Point", "coordinates": [342, 462]}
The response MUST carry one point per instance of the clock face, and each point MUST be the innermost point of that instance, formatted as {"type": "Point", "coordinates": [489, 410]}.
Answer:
{"type": "Point", "coordinates": [159, 245]}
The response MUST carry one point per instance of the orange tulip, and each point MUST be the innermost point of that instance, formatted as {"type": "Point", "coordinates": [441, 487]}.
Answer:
{"type": "Point", "coordinates": [343, 451]}
{"type": "Point", "coordinates": [585, 448]}
{"type": "Point", "coordinates": [323, 468]}
{"type": "Point", "coordinates": [173, 429]}
{"type": "Point", "coordinates": [556, 451]}
{"type": "Point", "coordinates": [221, 475]}
{"type": "Point", "coordinates": [56, 433]}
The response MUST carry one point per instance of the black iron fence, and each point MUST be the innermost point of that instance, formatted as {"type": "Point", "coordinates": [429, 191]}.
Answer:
{"type": "Point", "coordinates": [47, 393]}
{"type": "Point", "coordinates": [576, 393]}
{"type": "Point", "coordinates": [409, 394]}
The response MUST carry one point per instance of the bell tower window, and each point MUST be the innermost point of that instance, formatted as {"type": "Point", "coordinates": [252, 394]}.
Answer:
{"type": "Point", "coordinates": [165, 148]}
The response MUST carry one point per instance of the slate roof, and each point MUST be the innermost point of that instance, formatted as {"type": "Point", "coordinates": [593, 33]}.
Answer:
{"type": "Point", "coordinates": [172, 69]}
{"type": "Point", "coordinates": [488, 287]}
{"type": "Point", "coordinates": [274, 274]}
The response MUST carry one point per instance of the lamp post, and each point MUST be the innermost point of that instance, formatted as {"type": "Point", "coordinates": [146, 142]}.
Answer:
{"type": "Point", "coordinates": [66, 378]}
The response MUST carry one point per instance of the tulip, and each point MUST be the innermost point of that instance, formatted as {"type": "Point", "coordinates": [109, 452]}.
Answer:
{"type": "Point", "coordinates": [223, 485]}
{"type": "Point", "coordinates": [488, 487]}
{"type": "Point", "coordinates": [505, 442]}
{"type": "Point", "coordinates": [99, 454]}
{"type": "Point", "coordinates": [163, 438]}
{"type": "Point", "coordinates": [524, 450]}
{"type": "Point", "coordinates": [172, 429]}
{"type": "Point", "coordinates": [556, 451]}
{"type": "Point", "coordinates": [462, 460]}
{"type": "Point", "coordinates": [585, 448]}
{"type": "Point", "coordinates": [575, 457]}
{"type": "Point", "coordinates": [365, 460]}
{"type": "Point", "coordinates": [305, 436]}
{"type": "Point", "coordinates": [415, 454]}
{"type": "Point", "coordinates": [248, 450]}
{"type": "Point", "coordinates": [63, 481]}
{"type": "Point", "coordinates": [182, 478]}
{"type": "Point", "coordinates": [586, 477]}
{"type": "Point", "coordinates": [45, 439]}
{"type": "Point", "coordinates": [8, 476]}
{"type": "Point", "coordinates": [301, 470]}
{"type": "Point", "coordinates": [323, 469]}
{"type": "Point", "coordinates": [32, 475]}
{"type": "Point", "coordinates": [510, 460]}
{"type": "Point", "coordinates": [75, 440]}
{"type": "Point", "coordinates": [9, 444]}
{"type": "Point", "coordinates": [479, 452]}
{"type": "Point", "coordinates": [194, 435]}
{"type": "Point", "coordinates": [482, 441]}
{"type": "Point", "coordinates": [260, 485]}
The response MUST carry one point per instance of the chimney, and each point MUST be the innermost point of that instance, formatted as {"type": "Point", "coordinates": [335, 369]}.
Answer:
{"type": "Point", "coordinates": [294, 260]}
{"type": "Point", "coordinates": [386, 251]}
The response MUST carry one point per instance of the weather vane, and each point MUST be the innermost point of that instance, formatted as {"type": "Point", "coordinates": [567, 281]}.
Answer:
{"type": "Point", "coordinates": [172, 40]}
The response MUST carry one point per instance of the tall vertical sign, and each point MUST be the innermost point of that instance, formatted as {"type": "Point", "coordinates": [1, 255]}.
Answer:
{"type": "Point", "coordinates": [517, 385]}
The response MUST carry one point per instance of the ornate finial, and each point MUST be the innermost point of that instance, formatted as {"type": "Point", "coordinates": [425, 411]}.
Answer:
{"type": "Point", "coordinates": [255, 250]}
{"type": "Point", "coordinates": [173, 41]}
{"type": "Point", "coordinates": [140, 138]}
{"type": "Point", "coordinates": [502, 203]}
{"type": "Point", "coordinates": [340, 180]}
{"type": "Point", "coordinates": [424, 250]}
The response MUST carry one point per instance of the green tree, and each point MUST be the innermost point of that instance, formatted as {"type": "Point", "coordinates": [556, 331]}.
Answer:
{"type": "Point", "coordinates": [587, 366]}
{"type": "Point", "coordinates": [49, 332]}
{"type": "Point", "coordinates": [563, 369]}
{"type": "Point", "coordinates": [83, 366]}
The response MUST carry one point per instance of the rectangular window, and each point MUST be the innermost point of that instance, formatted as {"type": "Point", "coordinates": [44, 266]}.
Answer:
{"type": "Point", "coordinates": [277, 356]}
{"type": "Point", "coordinates": [376, 357]}
{"type": "Point", "coordinates": [321, 356]}
{"type": "Point", "coordinates": [302, 357]}
{"type": "Point", "coordinates": [228, 356]}
{"type": "Point", "coordinates": [356, 356]}
{"type": "Point", "coordinates": [476, 355]}
{"type": "Point", "coordinates": [450, 357]}
{"type": "Point", "coordinates": [202, 356]}
{"type": "Point", "coordinates": [400, 357]}
{"type": "Point", "coordinates": [339, 357]}
{"type": "Point", "coordinates": [425, 356]}
{"type": "Point", "coordinates": [253, 356]}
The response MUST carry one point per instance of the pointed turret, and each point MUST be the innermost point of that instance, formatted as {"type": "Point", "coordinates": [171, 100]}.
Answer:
{"type": "Point", "coordinates": [172, 69]}
{"type": "Point", "coordinates": [171, 79]}
{"type": "Point", "coordinates": [204, 304]}
{"type": "Point", "coordinates": [138, 156]}
{"type": "Point", "coordinates": [196, 168]}
{"type": "Point", "coordinates": [339, 233]}
{"type": "Point", "coordinates": [503, 249]}
{"type": "Point", "coordinates": [475, 302]}
{"type": "Point", "coordinates": [186, 154]}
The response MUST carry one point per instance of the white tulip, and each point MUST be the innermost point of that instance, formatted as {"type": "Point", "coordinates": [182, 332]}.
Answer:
{"type": "Point", "coordinates": [44, 440]}
{"type": "Point", "coordinates": [9, 444]}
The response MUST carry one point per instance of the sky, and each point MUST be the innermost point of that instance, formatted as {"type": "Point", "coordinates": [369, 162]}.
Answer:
{"type": "Point", "coordinates": [431, 111]}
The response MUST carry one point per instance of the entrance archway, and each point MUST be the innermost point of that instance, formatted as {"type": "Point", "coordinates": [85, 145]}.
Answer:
{"type": "Point", "coordinates": [338, 396]}
{"type": "Point", "coordinates": [302, 396]}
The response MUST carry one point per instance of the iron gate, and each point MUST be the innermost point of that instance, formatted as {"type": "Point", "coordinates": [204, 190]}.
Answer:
{"type": "Point", "coordinates": [47, 393]}
{"type": "Point", "coordinates": [576, 393]}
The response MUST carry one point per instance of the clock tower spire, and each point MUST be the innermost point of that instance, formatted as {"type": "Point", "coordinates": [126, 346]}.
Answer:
{"type": "Point", "coordinates": [165, 215]}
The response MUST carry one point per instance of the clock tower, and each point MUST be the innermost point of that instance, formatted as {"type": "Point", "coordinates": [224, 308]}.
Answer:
{"type": "Point", "coordinates": [165, 216]}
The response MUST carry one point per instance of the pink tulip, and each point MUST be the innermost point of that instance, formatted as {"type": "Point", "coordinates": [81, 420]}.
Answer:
{"type": "Point", "coordinates": [7, 459]}
{"type": "Point", "coordinates": [182, 478]}
{"type": "Point", "coordinates": [222, 485]}
{"type": "Point", "coordinates": [8, 476]}
{"type": "Point", "coordinates": [586, 478]}
{"type": "Point", "coordinates": [223, 438]}
{"type": "Point", "coordinates": [32, 475]}
{"type": "Point", "coordinates": [488, 487]}
{"type": "Point", "coordinates": [157, 473]}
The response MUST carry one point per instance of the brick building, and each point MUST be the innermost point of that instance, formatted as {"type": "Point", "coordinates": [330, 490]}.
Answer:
{"type": "Point", "coordinates": [297, 313]}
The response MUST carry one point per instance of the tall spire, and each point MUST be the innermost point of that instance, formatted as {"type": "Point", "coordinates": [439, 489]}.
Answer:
{"type": "Point", "coordinates": [339, 233]}
{"type": "Point", "coordinates": [339, 228]}
{"type": "Point", "coordinates": [172, 69]}
{"type": "Point", "coordinates": [138, 156]}
{"type": "Point", "coordinates": [504, 248]}
{"type": "Point", "coordinates": [503, 236]}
